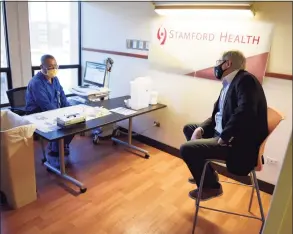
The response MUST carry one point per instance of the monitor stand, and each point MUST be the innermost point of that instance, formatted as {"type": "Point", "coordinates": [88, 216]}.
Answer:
{"type": "Point", "coordinates": [84, 86]}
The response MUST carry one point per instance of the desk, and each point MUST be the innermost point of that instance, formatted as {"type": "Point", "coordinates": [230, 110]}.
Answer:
{"type": "Point", "coordinates": [91, 124]}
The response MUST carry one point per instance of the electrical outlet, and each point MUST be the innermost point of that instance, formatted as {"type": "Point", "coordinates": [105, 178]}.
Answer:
{"type": "Point", "coordinates": [146, 45]}
{"type": "Point", "coordinates": [134, 44]}
{"type": "Point", "coordinates": [128, 44]}
{"type": "Point", "coordinates": [140, 45]}
{"type": "Point", "coordinates": [272, 160]}
{"type": "Point", "coordinates": [157, 124]}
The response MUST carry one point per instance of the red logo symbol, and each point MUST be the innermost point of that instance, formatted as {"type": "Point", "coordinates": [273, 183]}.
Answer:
{"type": "Point", "coordinates": [162, 35]}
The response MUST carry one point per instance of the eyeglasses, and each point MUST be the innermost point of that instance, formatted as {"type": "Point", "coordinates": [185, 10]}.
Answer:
{"type": "Point", "coordinates": [52, 67]}
{"type": "Point", "coordinates": [218, 62]}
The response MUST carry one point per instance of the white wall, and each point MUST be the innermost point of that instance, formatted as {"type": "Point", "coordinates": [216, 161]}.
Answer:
{"type": "Point", "coordinates": [188, 99]}
{"type": "Point", "coordinates": [107, 35]}
{"type": "Point", "coordinates": [281, 51]}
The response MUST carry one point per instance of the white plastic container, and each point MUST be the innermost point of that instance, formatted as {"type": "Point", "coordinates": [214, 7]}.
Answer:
{"type": "Point", "coordinates": [154, 98]}
{"type": "Point", "coordinates": [140, 90]}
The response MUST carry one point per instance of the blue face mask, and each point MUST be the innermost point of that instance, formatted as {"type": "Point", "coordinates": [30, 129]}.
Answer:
{"type": "Point", "coordinates": [218, 71]}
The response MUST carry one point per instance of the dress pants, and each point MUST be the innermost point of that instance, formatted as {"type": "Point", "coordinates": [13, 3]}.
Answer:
{"type": "Point", "coordinates": [196, 152]}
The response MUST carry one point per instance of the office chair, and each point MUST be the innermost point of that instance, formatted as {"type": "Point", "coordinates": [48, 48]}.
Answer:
{"type": "Point", "coordinates": [16, 98]}
{"type": "Point", "coordinates": [274, 118]}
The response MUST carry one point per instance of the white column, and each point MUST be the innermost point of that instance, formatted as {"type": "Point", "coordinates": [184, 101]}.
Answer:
{"type": "Point", "coordinates": [17, 16]}
{"type": "Point", "coordinates": [73, 34]}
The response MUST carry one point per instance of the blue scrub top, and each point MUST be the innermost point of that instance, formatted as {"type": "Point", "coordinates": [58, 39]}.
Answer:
{"type": "Point", "coordinates": [41, 95]}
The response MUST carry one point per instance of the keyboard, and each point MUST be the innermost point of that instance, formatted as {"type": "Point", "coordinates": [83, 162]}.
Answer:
{"type": "Point", "coordinates": [80, 90]}
{"type": "Point", "coordinates": [89, 91]}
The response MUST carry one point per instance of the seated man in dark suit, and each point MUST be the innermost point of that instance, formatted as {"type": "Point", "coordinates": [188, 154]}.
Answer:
{"type": "Point", "coordinates": [44, 92]}
{"type": "Point", "coordinates": [235, 130]}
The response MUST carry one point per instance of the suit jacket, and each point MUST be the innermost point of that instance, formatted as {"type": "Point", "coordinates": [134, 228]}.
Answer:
{"type": "Point", "coordinates": [244, 122]}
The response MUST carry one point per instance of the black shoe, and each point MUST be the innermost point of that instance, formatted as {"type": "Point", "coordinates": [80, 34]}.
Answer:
{"type": "Point", "coordinates": [192, 180]}
{"type": "Point", "coordinates": [207, 193]}
{"type": "Point", "coordinates": [54, 161]}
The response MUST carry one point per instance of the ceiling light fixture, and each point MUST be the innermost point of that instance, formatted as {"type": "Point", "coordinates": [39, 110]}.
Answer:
{"type": "Point", "coordinates": [207, 10]}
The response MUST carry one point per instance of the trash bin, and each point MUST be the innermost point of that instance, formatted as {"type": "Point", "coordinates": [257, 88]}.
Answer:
{"type": "Point", "coordinates": [18, 180]}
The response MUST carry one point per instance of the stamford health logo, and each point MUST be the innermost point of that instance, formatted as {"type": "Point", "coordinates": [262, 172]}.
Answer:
{"type": "Point", "coordinates": [162, 35]}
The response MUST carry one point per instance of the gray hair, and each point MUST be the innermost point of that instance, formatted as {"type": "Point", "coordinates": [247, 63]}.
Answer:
{"type": "Point", "coordinates": [45, 57]}
{"type": "Point", "coordinates": [237, 58]}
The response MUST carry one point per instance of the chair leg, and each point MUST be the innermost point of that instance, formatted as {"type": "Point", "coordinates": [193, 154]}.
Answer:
{"type": "Point", "coordinates": [252, 192]}
{"type": "Point", "coordinates": [199, 196]}
{"type": "Point", "coordinates": [259, 199]}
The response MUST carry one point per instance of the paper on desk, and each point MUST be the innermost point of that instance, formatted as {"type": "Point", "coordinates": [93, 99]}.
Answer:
{"type": "Point", "coordinates": [43, 123]}
{"type": "Point", "coordinates": [47, 121]}
{"type": "Point", "coordinates": [123, 111]}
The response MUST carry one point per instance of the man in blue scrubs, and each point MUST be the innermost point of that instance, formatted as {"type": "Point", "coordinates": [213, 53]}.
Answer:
{"type": "Point", "coordinates": [45, 93]}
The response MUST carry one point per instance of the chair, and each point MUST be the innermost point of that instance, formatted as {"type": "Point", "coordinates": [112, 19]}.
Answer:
{"type": "Point", "coordinates": [16, 99]}
{"type": "Point", "coordinates": [274, 118]}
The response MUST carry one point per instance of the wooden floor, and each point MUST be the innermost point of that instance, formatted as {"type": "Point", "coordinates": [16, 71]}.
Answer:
{"type": "Point", "coordinates": [126, 194]}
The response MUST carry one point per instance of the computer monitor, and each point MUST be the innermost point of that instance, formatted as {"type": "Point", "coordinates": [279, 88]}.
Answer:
{"type": "Point", "coordinates": [95, 74]}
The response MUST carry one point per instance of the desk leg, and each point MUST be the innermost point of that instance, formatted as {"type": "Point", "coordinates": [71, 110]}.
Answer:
{"type": "Point", "coordinates": [129, 143]}
{"type": "Point", "coordinates": [62, 171]}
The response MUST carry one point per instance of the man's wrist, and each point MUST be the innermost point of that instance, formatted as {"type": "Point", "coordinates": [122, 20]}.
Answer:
{"type": "Point", "coordinates": [226, 138]}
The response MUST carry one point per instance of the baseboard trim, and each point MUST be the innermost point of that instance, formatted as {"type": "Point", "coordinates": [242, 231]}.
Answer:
{"type": "Point", "coordinates": [263, 185]}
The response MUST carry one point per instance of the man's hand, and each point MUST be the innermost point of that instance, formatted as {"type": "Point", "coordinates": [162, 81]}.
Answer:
{"type": "Point", "coordinates": [197, 134]}
{"type": "Point", "coordinates": [221, 142]}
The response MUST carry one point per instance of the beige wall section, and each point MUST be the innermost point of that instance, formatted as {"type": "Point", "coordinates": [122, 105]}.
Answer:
{"type": "Point", "coordinates": [280, 14]}
{"type": "Point", "coordinates": [19, 42]}
{"type": "Point", "coordinates": [286, 225]}
{"type": "Point", "coordinates": [188, 99]}
{"type": "Point", "coordinates": [279, 220]}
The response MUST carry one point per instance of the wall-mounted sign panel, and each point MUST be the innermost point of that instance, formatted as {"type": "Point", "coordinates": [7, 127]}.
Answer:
{"type": "Point", "coordinates": [193, 47]}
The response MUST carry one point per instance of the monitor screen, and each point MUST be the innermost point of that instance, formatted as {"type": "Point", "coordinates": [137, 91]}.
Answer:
{"type": "Point", "coordinates": [95, 73]}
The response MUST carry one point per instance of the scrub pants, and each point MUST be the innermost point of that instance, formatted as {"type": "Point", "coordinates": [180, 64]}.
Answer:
{"type": "Point", "coordinates": [54, 145]}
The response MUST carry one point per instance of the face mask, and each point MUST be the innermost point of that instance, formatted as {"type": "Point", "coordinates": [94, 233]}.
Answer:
{"type": "Point", "coordinates": [218, 71]}
{"type": "Point", "coordinates": [51, 73]}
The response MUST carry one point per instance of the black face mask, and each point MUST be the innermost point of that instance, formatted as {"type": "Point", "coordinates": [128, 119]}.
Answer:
{"type": "Point", "coordinates": [218, 71]}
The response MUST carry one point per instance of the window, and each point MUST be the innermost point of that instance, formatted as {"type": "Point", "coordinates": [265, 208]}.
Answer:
{"type": "Point", "coordinates": [65, 76]}
{"type": "Point", "coordinates": [5, 72]}
{"type": "Point", "coordinates": [4, 87]}
{"type": "Point", "coordinates": [54, 29]}
{"type": "Point", "coordinates": [4, 62]}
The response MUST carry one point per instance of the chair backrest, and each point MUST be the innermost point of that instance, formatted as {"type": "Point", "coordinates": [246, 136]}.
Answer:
{"type": "Point", "coordinates": [16, 97]}
{"type": "Point", "coordinates": [274, 118]}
